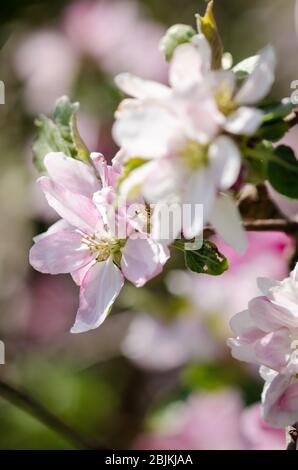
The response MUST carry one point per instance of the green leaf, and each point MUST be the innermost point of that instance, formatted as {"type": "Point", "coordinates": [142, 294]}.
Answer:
{"type": "Point", "coordinates": [207, 25]}
{"type": "Point", "coordinates": [174, 36]}
{"type": "Point", "coordinates": [64, 110]}
{"type": "Point", "coordinates": [82, 150]}
{"type": "Point", "coordinates": [273, 131]}
{"type": "Point", "coordinates": [49, 139]}
{"type": "Point", "coordinates": [59, 135]}
{"type": "Point", "coordinates": [129, 166]}
{"type": "Point", "coordinates": [206, 260]}
{"type": "Point", "coordinates": [283, 172]}
{"type": "Point", "coordinates": [277, 111]}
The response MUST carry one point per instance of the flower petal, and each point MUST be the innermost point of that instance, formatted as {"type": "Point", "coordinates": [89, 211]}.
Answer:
{"type": "Point", "coordinates": [100, 287]}
{"type": "Point", "coordinates": [227, 222]}
{"type": "Point", "coordinates": [244, 327]}
{"type": "Point", "coordinates": [59, 226]}
{"type": "Point", "coordinates": [60, 252]}
{"type": "Point", "coordinates": [141, 89]}
{"type": "Point", "coordinates": [273, 349]}
{"type": "Point", "coordinates": [225, 159]}
{"type": "Point", "coordinates": [260, 81]}
{"type": "Point", "coordinates": [142, 259]}
{"type": "Point", "coordinates": [264, 314]}
{"type": "Point", "coordinates": [189, 64]}
{"type": "Point", "coordinates": [197, 202]}
{"type": "Point", "coordinates": [77, 210]}
{"type": "Point", "coordinates": [144, 130]}
{"type": "Point", "coordinates": [72, 174]}
{"type": "Point", "coordinates": [244, 121]}
{"type": "Point", "coordinates": [280, 402]}
{"type": "Point", "coordinates": [79, 274]}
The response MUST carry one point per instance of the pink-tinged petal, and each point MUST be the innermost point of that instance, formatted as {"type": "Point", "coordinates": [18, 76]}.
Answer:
{"type": "Point", "coordinates": [74, 175]}
{"type": "Point", "coordinates": [100, 287]}
{"type": "Point", "coordinates": [142, 259]}
{"type": "Point", "coordinates": [244, 121]}
{"type": "Point", "coordinates": [260, 81]}
{"type": "Point", "coordinates": [227, 222]}
{"type": "Point", "coordinates": [197, 202]}
{"type": "Point", "coordinates": [59, 226]}
{"type": "Point", "coordinates": [280, 401]}
{"type": "Point", "coordinates": [79, 274]}
{"type": "Point", "coordinates": [101, 167]}
{"type": "Point", "coordinates": [264, 314]}
{"type": "Point", "coordinates": [189, 63]}
{"type": "Point", "coordinates": [60, 252]}
{"type": "Point", "coordinates": [141, 89]}
{"type": "Point", "coordinates": [79, 211]}
{"type": "Point", "coordinates": [241, 350]}
{"type": "Point", "coordinates": [273, 349]}
{"type": "Point", "coordinates": [225, 159]}
{"type": "Point", "coordinates": [144, 130]}
{"type": "Point", "coordinates": [244, 327]}
{"type": "Point", "coordinates": [201, 123]}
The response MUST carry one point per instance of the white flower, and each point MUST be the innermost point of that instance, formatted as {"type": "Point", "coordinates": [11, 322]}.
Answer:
{"type": "Point", "coordinates": [178, 130]}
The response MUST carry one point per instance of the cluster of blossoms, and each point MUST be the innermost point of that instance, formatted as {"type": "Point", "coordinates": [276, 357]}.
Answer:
{"type": "Point", "coordinates": [182, 145]}
{"type": "Point", "coordinates": [179, 146]}
{"type": "Point", "coordinates": [186, 136]}
{"type": "Point", "coordinates": [267, 334]}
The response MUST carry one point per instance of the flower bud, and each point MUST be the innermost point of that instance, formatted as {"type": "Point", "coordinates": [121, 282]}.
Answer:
{"type": "Point", "coordinates": [174, 36]}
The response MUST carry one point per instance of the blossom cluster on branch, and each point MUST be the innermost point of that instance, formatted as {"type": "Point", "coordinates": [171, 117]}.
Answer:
{"type": "Point", "coordinates": [193, 143]}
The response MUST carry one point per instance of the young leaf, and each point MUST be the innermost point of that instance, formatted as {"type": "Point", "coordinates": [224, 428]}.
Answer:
{"type": "Point", "coordinates": [49, 139]}
{"type": "Point", "coordinates": [207, 25]}
{"type": "Point", "coordinates": [174, 36]}
{"type": "Point", "coordinates": [273, 131]}
{"type": "Point", "coordinates": [206, 260]}
{"type": "Point", "coordinates": [283, 172]}
{"type": "Point", "coordinates": [59, 135]}
{"type": "Point", "coordinates": [277, 111]}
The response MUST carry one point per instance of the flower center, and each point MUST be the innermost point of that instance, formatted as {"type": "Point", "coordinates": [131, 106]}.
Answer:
{"type": "Point", "coordinates": [194, 155]}
{"type": "Point", "coordinates": [224, 100]}
{"type": "Point", "coordinates": [103, 247]}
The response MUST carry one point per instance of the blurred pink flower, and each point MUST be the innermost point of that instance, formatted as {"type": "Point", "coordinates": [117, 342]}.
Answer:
{"type": "Point", "coordinates": [267, 256]}
{"type": "Point", "coordinates": [46, 61]}
{"type": "Point", "coordinates": [116, 36]}
{"type": "Point", "coordinates": [169, 344]}
{"type": "Point", "coordinates": [212, 421]}
{"type": "Point", "coordinates": [52, 302]}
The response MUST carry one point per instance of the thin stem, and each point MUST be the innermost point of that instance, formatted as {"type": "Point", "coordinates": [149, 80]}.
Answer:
{"type": "Point", "coordinates": [264, 225]}
{"type": "Point", "coordinates": [25, 402]}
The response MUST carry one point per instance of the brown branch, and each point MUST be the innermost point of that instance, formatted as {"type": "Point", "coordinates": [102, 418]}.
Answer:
{"type": "Point", "coordinates": [25, 402]}
{"type": "Point", "coordinates": [264, 225]}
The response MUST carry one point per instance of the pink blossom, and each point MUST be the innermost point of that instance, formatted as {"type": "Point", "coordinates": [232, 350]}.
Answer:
{"type": "Point", "coordinates": [85, 243]}
{"type": "Point", "coordinates": [115, 35]}
{"type": "Point", "coordinates": [267, 334]}
{"type": "Point", "coordinates": [169, 344]}
{"type": "Point", "coordinates": [214, 421]}
{"type": "Point", "coordinates": [46, 75]}
{"type": "Point", "coordinates": [267, 255]}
